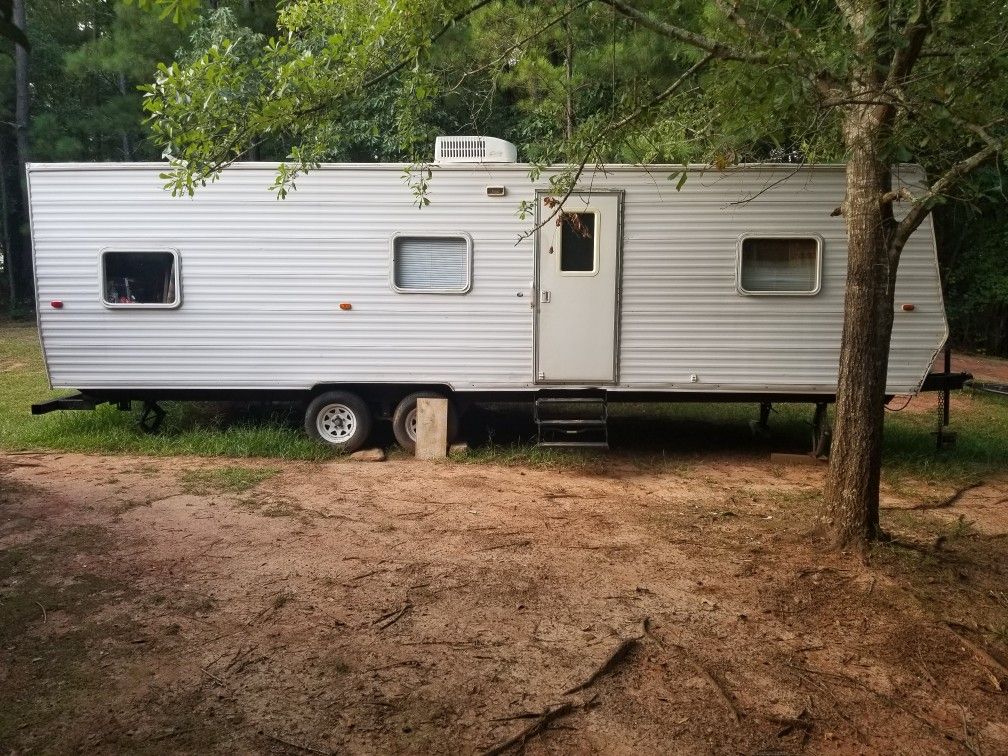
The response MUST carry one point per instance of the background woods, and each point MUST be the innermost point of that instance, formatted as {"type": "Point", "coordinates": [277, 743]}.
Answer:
{"type": "Point", "coordinates": [73, 96]}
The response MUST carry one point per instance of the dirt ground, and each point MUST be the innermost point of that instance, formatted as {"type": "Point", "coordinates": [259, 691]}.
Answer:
{"type": "Point", "coordinates": [982, 368]}
{"type": "Point", "coordinates": [152, 605]}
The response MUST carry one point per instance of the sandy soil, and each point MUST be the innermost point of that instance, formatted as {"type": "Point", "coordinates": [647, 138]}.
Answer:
{"type": "Point", "coordinates": [411, 607]}
{"type": "Point", "coordinates": [983, 368]}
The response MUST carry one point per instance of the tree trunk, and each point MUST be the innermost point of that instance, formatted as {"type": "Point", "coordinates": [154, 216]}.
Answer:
{"type": "Point", "coordinates": [852, 486]}
{"type": "Point", "coordinates": [21, 92]}
{"type": "Point", "coordinates": [127, 148]}
{"type": "Point", "coordinates": [21, 257]}
{"type": "Point", "coordinates": [569, 77]}
{"type": "Point", "coordinates": [5, 209]}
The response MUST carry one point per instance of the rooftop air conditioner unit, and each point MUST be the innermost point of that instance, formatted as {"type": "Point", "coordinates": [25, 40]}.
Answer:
{"type": "Point", "coordinates": [473, 149]}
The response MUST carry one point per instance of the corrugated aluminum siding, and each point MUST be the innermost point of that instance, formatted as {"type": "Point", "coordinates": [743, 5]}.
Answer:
{"type": "Point", "coordinates": [262, 279]}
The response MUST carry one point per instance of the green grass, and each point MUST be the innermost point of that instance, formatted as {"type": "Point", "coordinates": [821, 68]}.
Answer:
{"type": "Point", "coordinates": [229, 479]}
{"type": "Point", "coordinates": [981, 447]}
{"type": "Point", "coordinates": [189, 428]}
{"type": "Point", "coordinates": [668, 435]}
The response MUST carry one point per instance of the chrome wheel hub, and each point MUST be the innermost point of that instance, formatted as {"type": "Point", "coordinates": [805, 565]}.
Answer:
{"type": "Point", "coordinates": [336, 423]}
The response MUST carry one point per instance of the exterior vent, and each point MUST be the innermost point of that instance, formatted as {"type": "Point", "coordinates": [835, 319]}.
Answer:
{"type": "Point", "coordinates": [473, 149]}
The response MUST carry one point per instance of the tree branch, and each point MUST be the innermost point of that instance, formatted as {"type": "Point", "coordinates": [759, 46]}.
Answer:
{"type": "Point", "coordinates": [824, 81]}
{"type": "Point", "coordinates": [899, 194]}
{"type": "Point", "coordinates": [716, 49]}
{"type": "Point", "coordinates": [522, 42]}
{"type": "Point", "coordinates": [917, 28]}
{"type": "Point", "coordinates": [658, 98]}
{"type": "Point", "coordinates": [904, 58]}
{"type": "Point", "coordinates": [732, 14]}
{"type": "Point", "coordinates": [951, 177]}
{"type": "Point", "coordinates": [393, 70]}
{"type": "Point", "coordinates": [460, 16]}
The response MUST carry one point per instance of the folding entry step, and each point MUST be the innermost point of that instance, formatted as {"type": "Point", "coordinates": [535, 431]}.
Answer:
{"type": "Point", "coordinates": [572, 420]}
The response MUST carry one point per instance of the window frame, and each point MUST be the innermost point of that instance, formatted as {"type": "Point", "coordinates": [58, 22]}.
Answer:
{"type": "Point", "coordinates": [140, 249]}
{"type": "Point", "coordinates": [766, 235]}
{"type": "Point", "coordinates": [431, 235]}
{"type": "Point", "coordinates": [595, 246]}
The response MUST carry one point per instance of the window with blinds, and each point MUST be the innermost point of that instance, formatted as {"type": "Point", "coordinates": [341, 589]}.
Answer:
{"type": "Point", "coordinates": [431, 264]}
{"type": "Point", "coordinates": [779, 265]}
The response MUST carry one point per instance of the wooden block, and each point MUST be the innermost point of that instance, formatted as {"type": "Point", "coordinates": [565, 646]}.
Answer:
{"type": "Point", "coordinates": [432, 429]}
{"type": "Point", "coordinates": [796, 459]}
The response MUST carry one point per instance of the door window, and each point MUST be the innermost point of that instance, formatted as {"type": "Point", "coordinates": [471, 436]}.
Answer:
{"type": "Point", "coordinates": [579, 243]}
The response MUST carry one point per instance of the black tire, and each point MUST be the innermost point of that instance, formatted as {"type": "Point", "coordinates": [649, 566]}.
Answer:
{"type": "Point", "coordinates": [401, 420]}
{"type": "Point", "coordinates": [328, 416]}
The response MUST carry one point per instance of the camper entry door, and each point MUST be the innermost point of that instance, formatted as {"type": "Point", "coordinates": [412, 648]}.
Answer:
{"type": "Point", "coordinates": [577, 278]}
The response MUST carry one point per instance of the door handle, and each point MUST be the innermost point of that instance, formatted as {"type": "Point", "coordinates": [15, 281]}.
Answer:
{"type": "Point", "coordinates": [544, 297]}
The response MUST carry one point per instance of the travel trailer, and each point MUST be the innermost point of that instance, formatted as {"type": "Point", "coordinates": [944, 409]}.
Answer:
{"type": "Point", "coordinates": [350, 298]}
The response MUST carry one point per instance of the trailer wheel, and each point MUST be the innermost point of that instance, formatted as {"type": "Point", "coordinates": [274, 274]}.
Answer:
{"type": "Point", "coordinates": [338, 419]}
{"type": "Point", "coordinates": [404, 420]}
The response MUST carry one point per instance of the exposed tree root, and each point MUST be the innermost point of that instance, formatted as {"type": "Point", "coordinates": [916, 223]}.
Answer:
{"type": "Point", "coordinates": [551, 714]}
{"type": "Point", "coordinates": [993, 667]}
{"type": "Point", "coordinates": [541, 723]}
{"type": "Point", "coordinates": [853, 682]}
{"type": "Point", "coordinates": [949, 500]}
{"type": "Point", "coordinates": [701, 670]}
{"type": "Point", "coordinates": [392, 617]}
{"type": "Point", "coordinates": [617, 655]}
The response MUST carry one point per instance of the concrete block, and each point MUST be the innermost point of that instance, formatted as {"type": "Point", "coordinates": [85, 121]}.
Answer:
{"type": "Point", "coordinates": [458, 450]}
{"type": "Point", "coordinates": [368, 455]}
{"type": "Point", "coordinates": [432, 429]}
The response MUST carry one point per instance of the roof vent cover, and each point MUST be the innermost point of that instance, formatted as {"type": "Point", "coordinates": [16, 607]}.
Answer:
{"type": "Point", "coordinates": [473, 149]}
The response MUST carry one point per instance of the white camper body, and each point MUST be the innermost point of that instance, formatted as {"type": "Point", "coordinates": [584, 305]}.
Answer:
{"type": "Point", "coordinates": [346, 283]}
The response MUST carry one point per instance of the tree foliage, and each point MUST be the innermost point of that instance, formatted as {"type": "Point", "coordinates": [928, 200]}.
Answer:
{"type": "Point", "coordinates": [974, 243]}
{"type": "Point", "coordinates": [770, 95]}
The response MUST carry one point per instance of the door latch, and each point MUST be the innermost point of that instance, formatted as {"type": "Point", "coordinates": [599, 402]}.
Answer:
{"type": "Point", "coordinates": [544, 297]}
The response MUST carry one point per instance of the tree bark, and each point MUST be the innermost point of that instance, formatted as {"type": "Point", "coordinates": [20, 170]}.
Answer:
{"type": "Point", "coordinates": [127, 148]}
{"type": "Point", "coordinates": [852, 485]}
{"type": "Point", "coordinates": [21, 91]}
{"type": "Point", "coordinates": [5, 209]}
{"type": "Point", "coordinates": [21, 257]}
{"type": "Point", "coordinates": [851, 510]}
{"type": "Point", "coordinates": [569, 77]}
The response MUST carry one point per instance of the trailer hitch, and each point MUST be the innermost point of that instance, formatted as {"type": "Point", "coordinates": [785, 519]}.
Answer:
{"type": "Point", "coordinates": [75, 402]}
{"type": "Point", "coordinates": [151, 417]}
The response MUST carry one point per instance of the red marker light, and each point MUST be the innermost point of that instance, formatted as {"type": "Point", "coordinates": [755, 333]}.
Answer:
{"type": "Point", "coordinates": [909, 308]}
{"type": "Point", "coordinates": [56, 304]}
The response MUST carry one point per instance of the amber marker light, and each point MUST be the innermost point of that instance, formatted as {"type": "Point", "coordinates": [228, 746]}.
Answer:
{"type": "Point", "coordinates": [345, 306]}
{"type": "Point", "coordinates": [909, 308]}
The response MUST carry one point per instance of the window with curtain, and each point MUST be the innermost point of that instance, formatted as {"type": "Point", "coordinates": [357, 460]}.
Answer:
{"type": "Point", "coordinates": [781, 265]}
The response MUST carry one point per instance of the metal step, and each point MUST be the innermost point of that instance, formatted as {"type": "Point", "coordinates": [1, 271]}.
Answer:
{"type": "Point", "coordinates": [574, 444]}
{"type": "Point", "coordinates": [572, 421]}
